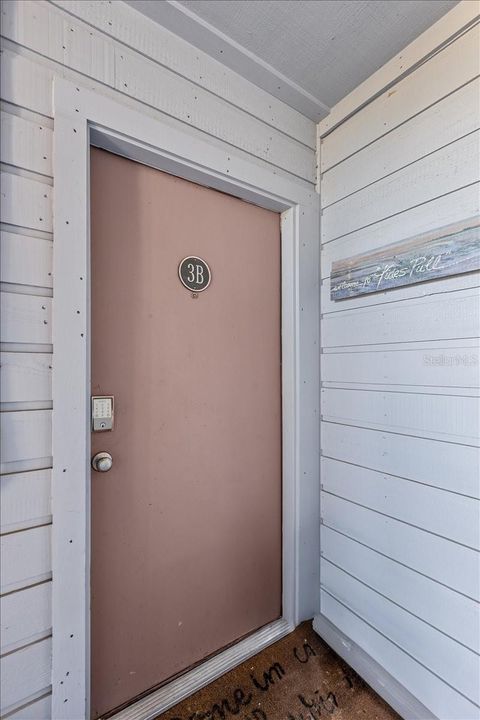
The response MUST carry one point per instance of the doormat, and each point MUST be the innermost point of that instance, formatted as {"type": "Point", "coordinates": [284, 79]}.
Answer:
{"type": "Point", "coordinates": [297, 678]}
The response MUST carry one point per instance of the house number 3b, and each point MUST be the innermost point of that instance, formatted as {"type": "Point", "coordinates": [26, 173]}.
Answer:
{"type": "Point", "coordinates": [194, 274]}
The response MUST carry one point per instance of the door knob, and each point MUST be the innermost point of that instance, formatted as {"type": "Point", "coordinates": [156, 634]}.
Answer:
{"type": "Point", "coordinates": [102, 462]}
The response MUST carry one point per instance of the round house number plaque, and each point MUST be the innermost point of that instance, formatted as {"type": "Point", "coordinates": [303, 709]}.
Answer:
{"type": "Point", "coordinates": [194, 274]}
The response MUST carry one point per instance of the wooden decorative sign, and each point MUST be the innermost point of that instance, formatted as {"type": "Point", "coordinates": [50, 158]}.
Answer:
{"type": "Point", "coordinates": [452, 250]}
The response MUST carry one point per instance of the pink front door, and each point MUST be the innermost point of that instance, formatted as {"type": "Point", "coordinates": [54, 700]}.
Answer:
{"type": "Point", "coordinates": [186, 526]}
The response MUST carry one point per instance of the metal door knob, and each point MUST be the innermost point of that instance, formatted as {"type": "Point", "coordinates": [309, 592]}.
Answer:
{"type": "Point", "coordinates": [102, 462]}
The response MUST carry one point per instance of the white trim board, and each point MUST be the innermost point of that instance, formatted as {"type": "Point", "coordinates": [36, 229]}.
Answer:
{"type": "Point", "coordinates": [393, 692]}
{"type": "Point", "coordinates": [83, 118]}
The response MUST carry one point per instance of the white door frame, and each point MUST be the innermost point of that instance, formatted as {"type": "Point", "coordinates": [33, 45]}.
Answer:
{"type": "Point", "coordinates": [84, 118]}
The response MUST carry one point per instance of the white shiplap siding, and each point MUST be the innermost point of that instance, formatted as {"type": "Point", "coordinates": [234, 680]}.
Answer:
{"type": "Point", "coordinates": [115, 51]}
{"type": "Point", "coordinates": [400, 572]}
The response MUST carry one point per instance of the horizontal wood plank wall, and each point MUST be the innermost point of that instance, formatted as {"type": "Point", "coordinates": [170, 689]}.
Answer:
{"type": "Point", "coordinates": [113, 50]}
{"type": "Point", "coordinates": [400, 385]}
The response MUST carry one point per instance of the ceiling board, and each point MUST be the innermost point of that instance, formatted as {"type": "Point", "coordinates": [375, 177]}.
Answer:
{"type": "Point", "coordinates": [308, 53]}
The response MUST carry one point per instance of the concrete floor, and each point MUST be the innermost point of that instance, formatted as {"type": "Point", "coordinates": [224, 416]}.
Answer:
{"type": "Point", "coordinates": [297, 678]}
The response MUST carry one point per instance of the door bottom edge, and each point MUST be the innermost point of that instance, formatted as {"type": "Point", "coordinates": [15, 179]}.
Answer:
{"type": "Point", "coordinates": [161, 700]}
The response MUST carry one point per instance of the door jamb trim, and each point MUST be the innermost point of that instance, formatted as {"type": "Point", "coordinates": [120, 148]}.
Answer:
{"type": "Point", "coordinates": [84, 118]}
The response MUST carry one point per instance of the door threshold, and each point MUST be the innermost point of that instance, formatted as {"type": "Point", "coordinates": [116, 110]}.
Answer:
{"type": "Point", "coordinates": [164, 698]}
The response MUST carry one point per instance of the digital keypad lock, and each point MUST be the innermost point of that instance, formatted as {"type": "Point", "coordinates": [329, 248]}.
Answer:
{"type": "Point", "coordinates": [102, 413]}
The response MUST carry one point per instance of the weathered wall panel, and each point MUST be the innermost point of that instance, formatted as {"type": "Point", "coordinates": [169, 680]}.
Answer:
{"type": "Point", "coordinates": [443, 74]}
{"type": "Point", "coordinates": [28, 667]}
{"type": "Point", "coordinates": [400, 375]}
{"type": "Point", "coordinates": [110, 49]}
{"type": "Point", "coordinates": [26, 616]}
{"type": "Point", "coordinates": [26, 500]}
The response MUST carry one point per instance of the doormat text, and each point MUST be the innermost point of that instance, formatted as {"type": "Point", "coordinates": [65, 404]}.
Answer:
{"type": "Point", "coordinates": [245, 702]}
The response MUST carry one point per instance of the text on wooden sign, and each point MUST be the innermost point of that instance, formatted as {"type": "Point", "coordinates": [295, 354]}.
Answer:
{"type": "Point", "coordinates": [451, 250]}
